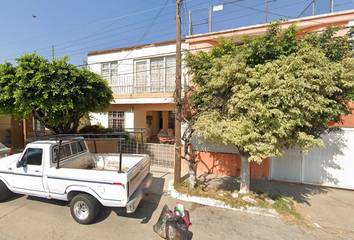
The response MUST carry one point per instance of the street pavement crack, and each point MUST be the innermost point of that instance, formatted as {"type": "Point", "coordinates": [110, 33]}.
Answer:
{"type": "Point", "coordinates": [14, 210]}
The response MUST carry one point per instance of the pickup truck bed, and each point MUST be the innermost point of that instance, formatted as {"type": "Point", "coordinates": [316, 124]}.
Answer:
{"type": "Point", "coordinates": [103, 161]}
{"type": "Point", "coordinates": [81, 177]}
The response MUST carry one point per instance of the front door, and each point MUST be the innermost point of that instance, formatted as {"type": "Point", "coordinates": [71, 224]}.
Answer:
{"type": "Point", "coordinates": [28, 178]}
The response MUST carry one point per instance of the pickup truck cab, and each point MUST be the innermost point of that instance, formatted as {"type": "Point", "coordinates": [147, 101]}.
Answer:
{"type": "Point", "coordinates": [65, 170]}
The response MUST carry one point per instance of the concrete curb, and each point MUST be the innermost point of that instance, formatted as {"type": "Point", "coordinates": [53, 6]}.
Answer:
{"type": "Point", "coordinates": [220, 204]}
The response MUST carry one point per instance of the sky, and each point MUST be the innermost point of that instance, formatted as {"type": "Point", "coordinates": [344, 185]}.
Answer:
{"type": "Point", "coordinates": [77, 27]}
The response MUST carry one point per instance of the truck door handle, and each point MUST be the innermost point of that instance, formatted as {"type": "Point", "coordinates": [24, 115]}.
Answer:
{"type": "Point", "coordinates": [10, 169]}
{"type": "Point", "coordinates": [37, 171]}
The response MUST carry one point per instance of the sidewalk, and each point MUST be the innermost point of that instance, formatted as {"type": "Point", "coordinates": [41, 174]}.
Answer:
{"type": "Point", "coordinates": [326, 208]}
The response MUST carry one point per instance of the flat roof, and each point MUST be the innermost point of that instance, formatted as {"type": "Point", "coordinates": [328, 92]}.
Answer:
{"type": "Point", "coordinates": [134, 47]}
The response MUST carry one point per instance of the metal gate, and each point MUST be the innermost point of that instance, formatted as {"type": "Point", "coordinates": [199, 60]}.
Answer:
{"type": "Point", "coordinates": [161, 155]}
{"type": "Point", "coordinates": [331, 166]}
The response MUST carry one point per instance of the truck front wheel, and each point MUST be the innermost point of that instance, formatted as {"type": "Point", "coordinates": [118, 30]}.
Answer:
{"type": "Point", "coordinates": [84, 208]}
{"type": "Point", "coordinates": [4, 191]}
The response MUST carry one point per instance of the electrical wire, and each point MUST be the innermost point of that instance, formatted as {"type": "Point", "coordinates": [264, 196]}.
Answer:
{"type": "Point", "coordinates": [109, 31]}
{"type": "Point", "coordinates": [49, 52]}
{"type": "Point", "coordinates": [182, 51]}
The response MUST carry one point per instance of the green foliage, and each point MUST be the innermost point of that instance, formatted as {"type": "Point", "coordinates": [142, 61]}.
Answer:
{"type": "Point", "coordinates": [334, 47]}
{"type": "Point", "coordinates": [274, 91]}
{"type": "Point", "coordinates": [149, 119]}
{"type": "Point", "coordinates": [273, 44]}
{"type": "Point", "coordinates": [56, 93]}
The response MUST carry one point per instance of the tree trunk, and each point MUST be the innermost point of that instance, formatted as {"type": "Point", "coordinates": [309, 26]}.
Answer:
{"type": "Point", "coordinates": [245, 173]}
{"type": "Point", "coordinates": [192, 174]}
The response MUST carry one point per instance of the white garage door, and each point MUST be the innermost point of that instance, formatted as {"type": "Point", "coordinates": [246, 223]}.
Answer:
{"type": "Point", "coordinates": [331, 166]}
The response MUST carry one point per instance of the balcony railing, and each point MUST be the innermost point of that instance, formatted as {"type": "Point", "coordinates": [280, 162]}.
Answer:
{"type": "Point", "coordinates": [126, 85]}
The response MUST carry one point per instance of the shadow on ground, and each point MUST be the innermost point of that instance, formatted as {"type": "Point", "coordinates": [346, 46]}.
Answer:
{"type": "Point", "coordinates": [146, 208]}
{"type": "Point", "coordinates": [299, 192]}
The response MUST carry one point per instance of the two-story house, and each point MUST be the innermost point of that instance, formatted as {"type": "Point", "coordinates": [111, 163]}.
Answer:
{"type": "Point", "coordinates": [142, 79]}
{"type": "Point", "coordinates": [330, 166]}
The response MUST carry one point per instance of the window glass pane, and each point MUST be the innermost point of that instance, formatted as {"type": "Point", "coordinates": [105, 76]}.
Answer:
{"type": "Point", "coordinates": [157, 75]}
{"type": "Point", "coordinates": [141, 73]}
{"type": "Point", "coordinates": [67, 150]}
{"type": "Point", "coordinates": [114, 72]}
{"type": "Point", "coordinates": [73, 147]}
{"type": "Point", "coordinates": [114, 65]}
{"type": "Point", "coordinates": [82, 145]}
{"type": "Point", "coordinates": [55, 150]}
{"type": "Point", "coordinates": [34, 156]}
{"type": "Point", "coordinates": [79, 147]}
{"type": "Point", "coordinates": [105, 65]}
{"type": "Point", "coordinates": [170, 73]}
{"type": "Point", "coordinates": [105, 73]}
{"type": "Point", "coordinates": [109, 69]}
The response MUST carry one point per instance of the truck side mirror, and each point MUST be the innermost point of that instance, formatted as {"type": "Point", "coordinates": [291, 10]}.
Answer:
{"type": "Point", "coordinates": [20, 164]}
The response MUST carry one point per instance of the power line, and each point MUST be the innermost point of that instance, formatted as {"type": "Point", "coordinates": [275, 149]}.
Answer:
{"type": "Point", "coordinates": [60, 49]}
{"type": "Point", "coordinates": [195, 49]}
{"type": "Point", "coordinates": [90, 24]}
{"type": "Point", "coordinates": [89, 48]}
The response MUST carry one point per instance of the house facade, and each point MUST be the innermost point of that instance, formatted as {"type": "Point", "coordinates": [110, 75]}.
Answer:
{"type": "Point", "coordinates": [332, 166]}
{"type": "Point", "coordinates": [142, 79]}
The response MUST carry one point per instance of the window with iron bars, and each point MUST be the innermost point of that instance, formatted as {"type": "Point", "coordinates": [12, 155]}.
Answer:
{"type": "Point", "coordinates": [116, 120]}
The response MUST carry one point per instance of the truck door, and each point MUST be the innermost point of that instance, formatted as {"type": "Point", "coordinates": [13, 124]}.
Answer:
{"type": "Point", "coordinates": [28, 174]}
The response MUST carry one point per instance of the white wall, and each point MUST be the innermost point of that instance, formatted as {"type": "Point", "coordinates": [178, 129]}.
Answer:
{"type": "Point", "coordinates": [99, 118]}
{"type": "Point", "coordinates": [126, 59]}
{"type": "Point", "coordinates": [129, 120]}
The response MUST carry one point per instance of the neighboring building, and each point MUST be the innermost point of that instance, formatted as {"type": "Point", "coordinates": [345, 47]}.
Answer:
{"type": "Point", "coordinates": [332, 166]}
{"type": "Point", "coordinates": [5, 124]}
{"type": "Point", "coordinates": [142, 79]}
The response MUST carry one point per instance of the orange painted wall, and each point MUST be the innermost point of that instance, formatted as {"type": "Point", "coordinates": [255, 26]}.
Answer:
{"type": "Point", "coordinates": [228, 164]}
{"type": "Point", "coordinates": [348, 121]}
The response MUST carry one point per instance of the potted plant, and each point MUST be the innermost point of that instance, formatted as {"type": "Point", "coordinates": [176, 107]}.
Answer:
{"type": "Point", "coordinates": [8, 135]}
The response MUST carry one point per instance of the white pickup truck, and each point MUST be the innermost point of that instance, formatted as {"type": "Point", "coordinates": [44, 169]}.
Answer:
{"type": "Point", "coordinates": [65, 170]}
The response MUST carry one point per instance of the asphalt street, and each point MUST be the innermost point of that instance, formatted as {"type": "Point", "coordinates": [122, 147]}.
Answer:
{"type": "Point", "coordinates": [24, 217]}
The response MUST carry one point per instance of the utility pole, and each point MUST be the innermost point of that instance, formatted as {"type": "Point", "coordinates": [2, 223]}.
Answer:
{"type": "Point", "coordinates": [53, 52]}
{"type": "Point", "coordinates": [210, 18]}
{"type": "Point", "coordinates": [331, 6]}
{"type": "Point", "coordinates": [313, 7]}
{"type": "Point", "coordinates": [178, 98]}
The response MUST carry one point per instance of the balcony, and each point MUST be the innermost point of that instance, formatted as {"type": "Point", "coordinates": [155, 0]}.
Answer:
{"type": "Point", "coordinates": [127, 85]}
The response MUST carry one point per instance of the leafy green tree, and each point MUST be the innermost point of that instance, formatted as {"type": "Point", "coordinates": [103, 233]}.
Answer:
{"type": "Point", "coordinates": [56, 93]}
{"type": "Point", "coordinates": [273, 91]}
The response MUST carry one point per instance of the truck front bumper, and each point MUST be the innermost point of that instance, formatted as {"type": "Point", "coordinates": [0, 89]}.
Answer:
{"type": "Point", "coordinates": [139, 194]}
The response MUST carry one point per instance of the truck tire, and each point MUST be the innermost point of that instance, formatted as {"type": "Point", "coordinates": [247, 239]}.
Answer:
{"type": "Point", "coordinates": [4, 191]}
{"type": "Point", "coordinates": [84, 208]}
